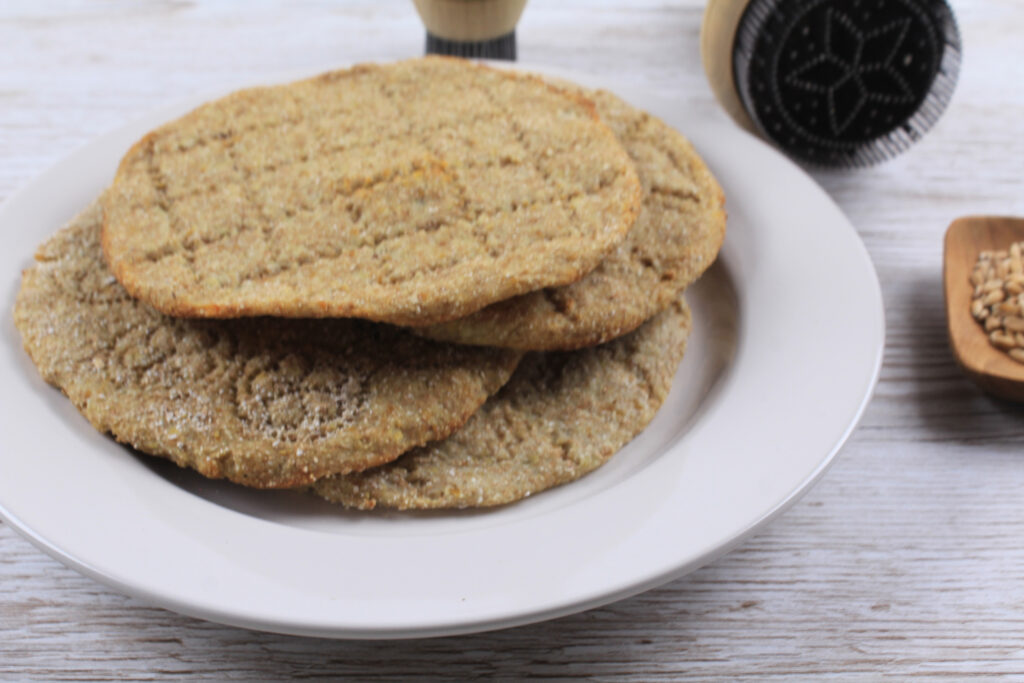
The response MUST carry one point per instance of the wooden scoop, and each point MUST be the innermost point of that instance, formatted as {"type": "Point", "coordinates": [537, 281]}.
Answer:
{"type": "Point", "coordinates": [992, 369]}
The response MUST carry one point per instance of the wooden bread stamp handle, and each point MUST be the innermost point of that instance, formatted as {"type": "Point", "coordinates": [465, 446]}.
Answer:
{"type": "Point", "coordinates": [470, 20]}
{"type": "Point", "coordinates": [717, 35]}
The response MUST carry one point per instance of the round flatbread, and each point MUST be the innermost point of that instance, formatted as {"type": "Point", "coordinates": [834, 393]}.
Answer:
{"type": "Point", "coordinates": [559, 417]}
{"type": "Point", "coordinates": [675, 238]}
{"type": "Point", "coordinates": [410, 193]}
{"type": "Point", "coordinates": [265, 402]}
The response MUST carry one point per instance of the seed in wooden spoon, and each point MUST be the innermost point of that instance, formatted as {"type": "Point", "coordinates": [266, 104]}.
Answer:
{"type": "Point", "coordinates": [998, 300]}
{"type": "Point", "coordinates": [1014, 324]}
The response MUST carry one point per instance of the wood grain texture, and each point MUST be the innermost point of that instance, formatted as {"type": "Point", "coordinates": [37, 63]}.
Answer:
{"type": "Point", "coordinates": [905, 561]}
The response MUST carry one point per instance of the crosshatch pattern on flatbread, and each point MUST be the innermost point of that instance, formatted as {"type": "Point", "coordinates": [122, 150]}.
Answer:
{"type": "Point", "coordinates": [266, 402]}
{"type": "Point", "coordinates": [412, 193]}
{"type": "Point", "coordinates": [676, 236]}
{"type": "Point", "coordinates": [562, 415]}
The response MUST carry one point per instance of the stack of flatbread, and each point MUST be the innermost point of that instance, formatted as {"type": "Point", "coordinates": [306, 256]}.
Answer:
{"type": "Point", "coordinates": [426, 284]}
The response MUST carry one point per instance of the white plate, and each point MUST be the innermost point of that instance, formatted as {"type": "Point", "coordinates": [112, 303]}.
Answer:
{"type": "Point", "coordinates": [787, 349]}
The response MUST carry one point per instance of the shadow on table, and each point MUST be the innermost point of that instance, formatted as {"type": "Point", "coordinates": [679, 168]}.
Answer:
{"type": "Point", "coordinates": [921, 381]}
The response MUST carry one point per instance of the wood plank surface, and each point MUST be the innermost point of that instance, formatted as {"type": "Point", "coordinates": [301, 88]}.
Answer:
{"type": "Point", "coordinates": [906, 560]}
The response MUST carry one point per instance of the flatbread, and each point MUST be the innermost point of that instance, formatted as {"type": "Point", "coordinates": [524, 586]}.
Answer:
{"type": "Point", "coordinates": [263, 402]}
{"type": "Point", "coordinates": [560, 416]}
{"type": "Point", "coordinates": [675, 238]}
{"type": "Point", "coordinates": [410, 193]}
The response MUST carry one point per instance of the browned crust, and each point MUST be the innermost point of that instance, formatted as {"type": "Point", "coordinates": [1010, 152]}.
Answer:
{"type": "Point", "coordinates": [655, 262]}
{"type": "Point", "coordinates": [262, 402]}
{"type": "Point", "coordinates": [561, 416]}
{"type": "Point", "coordinates": [433, 303]}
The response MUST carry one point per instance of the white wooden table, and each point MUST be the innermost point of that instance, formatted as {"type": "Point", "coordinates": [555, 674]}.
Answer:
{"type": "Point", "coordinates": [907, 559]}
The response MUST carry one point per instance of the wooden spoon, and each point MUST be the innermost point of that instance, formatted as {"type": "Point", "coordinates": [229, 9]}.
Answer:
{"type": "Point", "coordinates": [992, 369]}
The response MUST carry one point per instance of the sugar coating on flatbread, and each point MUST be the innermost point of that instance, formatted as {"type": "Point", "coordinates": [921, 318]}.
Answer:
{"type": "Point", "coordinates": [264, 402]}
{"type": "Point", "coordinates": [676, 236]}
{"type": "Point", "coordinates": [562, 415]}
{"type": "Point", "coordinates": [411, 193]}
